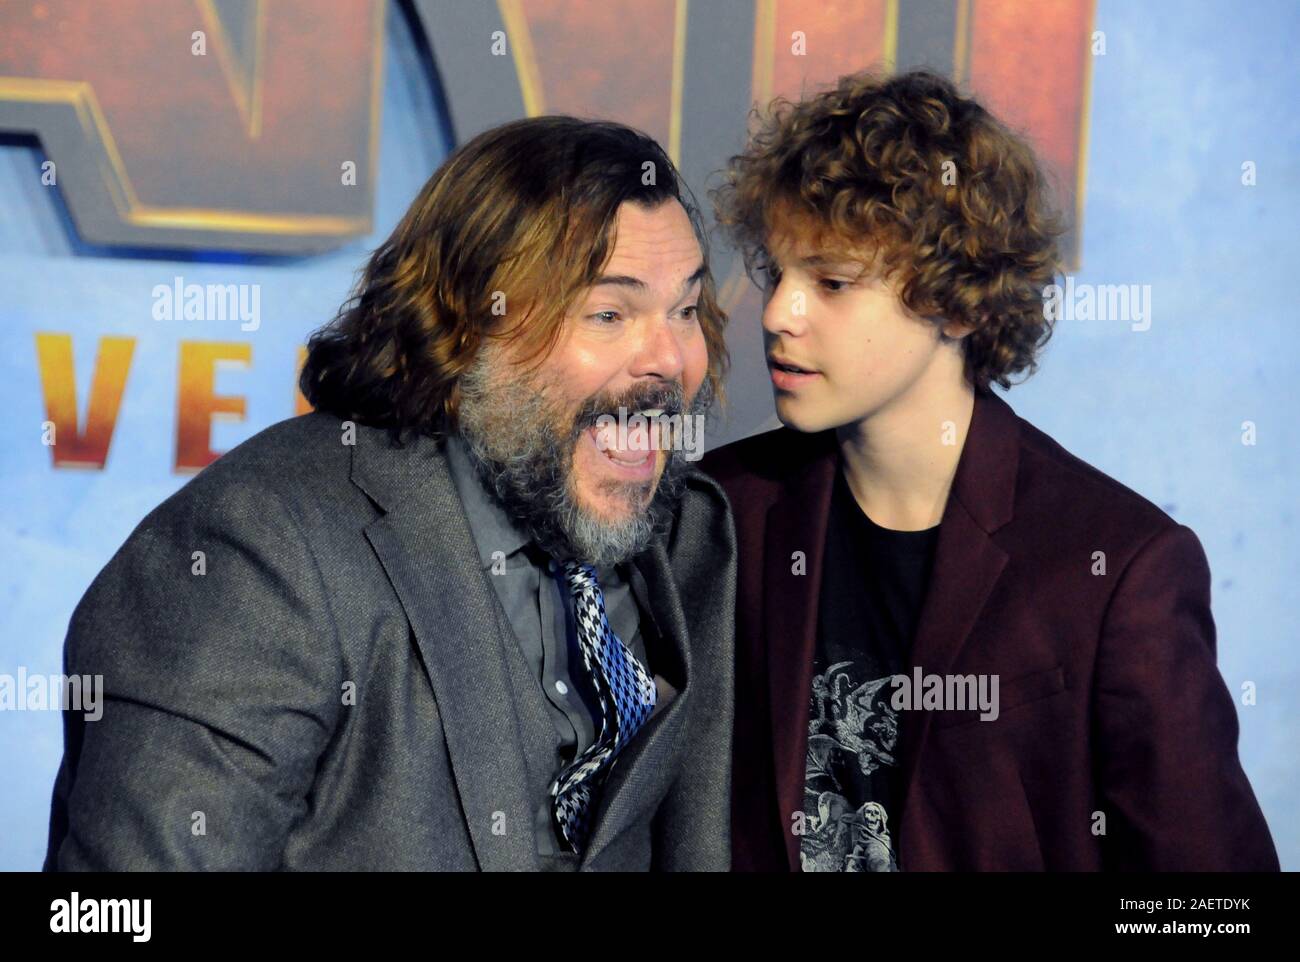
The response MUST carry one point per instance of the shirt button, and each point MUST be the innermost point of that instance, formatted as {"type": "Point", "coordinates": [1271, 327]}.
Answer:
{"type": "Point", "coordinates": [561, 687]}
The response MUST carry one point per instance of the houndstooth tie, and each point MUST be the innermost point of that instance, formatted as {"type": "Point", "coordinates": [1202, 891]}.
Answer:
{"type": "Point", "coordinates": [626, 694]}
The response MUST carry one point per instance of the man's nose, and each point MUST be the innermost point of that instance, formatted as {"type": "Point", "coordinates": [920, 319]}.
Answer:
{"type": "Point", "coordinates": [659, 353]}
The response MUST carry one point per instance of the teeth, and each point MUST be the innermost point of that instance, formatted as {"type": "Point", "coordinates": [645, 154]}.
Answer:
{"type": "Point", "coordinates": [652, 412]}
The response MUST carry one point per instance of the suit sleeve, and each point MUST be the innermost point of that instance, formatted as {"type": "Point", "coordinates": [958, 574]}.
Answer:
{"type": "Point", "coordinates": [1173, 789]}
{"type": "Point", "coordinates": [692, 828]}
{"type": "Point", "coordinates": [222, 685]}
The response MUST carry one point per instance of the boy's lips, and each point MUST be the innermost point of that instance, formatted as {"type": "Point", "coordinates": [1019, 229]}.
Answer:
{"type": "Point", "coordinates": [785, 363]}
{"type": "Point", "coordinates": [787, 375]}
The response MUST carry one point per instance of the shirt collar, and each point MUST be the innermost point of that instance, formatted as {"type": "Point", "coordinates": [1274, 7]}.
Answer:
{"type": "Point", "coordinates": [492, 529]}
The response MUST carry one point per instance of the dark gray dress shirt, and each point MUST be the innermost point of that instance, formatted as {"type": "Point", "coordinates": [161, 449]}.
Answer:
{"type": "Point", "coordinates": [539, 607]}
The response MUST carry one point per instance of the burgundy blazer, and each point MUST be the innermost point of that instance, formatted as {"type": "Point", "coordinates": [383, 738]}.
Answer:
{"type": "Point", "coordinates": [1110, 700]}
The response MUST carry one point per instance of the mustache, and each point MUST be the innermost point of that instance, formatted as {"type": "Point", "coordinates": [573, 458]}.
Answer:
{"type": "Point", "coordinates": [669, 396]}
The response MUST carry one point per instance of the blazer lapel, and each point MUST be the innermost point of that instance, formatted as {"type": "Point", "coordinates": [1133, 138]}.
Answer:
{"type": "Point", "coordinates": [796, 522]}
{"type": "Point", "coordinates": [643, 770]}
{"type": "Point", "coordinates": [967, 565]}
{"type": "Point", "coordinates": [427, 550]}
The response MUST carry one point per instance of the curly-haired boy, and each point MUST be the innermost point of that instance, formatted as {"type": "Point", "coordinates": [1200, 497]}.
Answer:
{"type": "Point", "coordinates": [958, 646]}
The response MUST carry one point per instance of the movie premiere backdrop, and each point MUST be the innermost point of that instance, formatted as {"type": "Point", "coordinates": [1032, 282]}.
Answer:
{"type": "Point", "coordinates": [188, 187]}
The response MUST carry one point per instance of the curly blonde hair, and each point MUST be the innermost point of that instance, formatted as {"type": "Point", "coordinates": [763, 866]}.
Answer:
{"type": "Point", "coordinates": [953, 203]}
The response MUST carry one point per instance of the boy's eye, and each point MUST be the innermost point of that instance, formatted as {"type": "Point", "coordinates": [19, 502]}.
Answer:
{"type": "Point", "coordinates": [691, 312]}
{"type": "Point", "coordinates": [832, 285]}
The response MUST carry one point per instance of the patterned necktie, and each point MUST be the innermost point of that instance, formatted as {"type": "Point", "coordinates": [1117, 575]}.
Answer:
{"type": "Point", "coordinates": [626, 694]}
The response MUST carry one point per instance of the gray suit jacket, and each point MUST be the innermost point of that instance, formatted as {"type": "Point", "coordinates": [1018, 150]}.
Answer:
{"type": "Point", "coordinates": [340, 689]}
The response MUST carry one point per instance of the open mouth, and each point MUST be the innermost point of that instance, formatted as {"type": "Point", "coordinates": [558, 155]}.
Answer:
{"type": "Point", "coordinates": [789, 378]}
{"type": "Point", "coordinates": [635, 448]}
{"type": "Point", "coordinates": [631, 458]}
{"type": "Point", "coordinates": [787, 367]}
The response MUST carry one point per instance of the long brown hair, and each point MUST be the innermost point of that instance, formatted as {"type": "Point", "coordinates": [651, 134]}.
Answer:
{"type": "Point", "coordinates": [503, 238]}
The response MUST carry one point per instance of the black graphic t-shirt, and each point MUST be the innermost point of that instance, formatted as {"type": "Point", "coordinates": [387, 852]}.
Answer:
{"type": "Point", "coordinates": [873, 584]}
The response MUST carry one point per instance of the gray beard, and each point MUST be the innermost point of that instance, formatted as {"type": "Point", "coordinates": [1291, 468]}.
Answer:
{"type": "Point", "coordinates": [522, 446]}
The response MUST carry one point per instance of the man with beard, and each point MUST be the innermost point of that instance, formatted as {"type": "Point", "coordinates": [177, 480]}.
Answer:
{"type": "Point", "coordinates": [449, 620]}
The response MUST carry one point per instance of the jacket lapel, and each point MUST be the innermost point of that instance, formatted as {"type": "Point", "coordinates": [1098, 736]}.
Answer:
{"type": "Point", "coordinates": [643, 770]}
{"type": "Point", "coordinates": [796, 522]}
{"type": "Point", "coordinates": [427, 550]}
{"type": "Point", "coordinates": [967, 565]}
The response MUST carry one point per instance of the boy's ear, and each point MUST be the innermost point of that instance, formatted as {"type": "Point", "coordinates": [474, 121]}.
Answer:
{"type": "Point", "coordinates": [956, 330]}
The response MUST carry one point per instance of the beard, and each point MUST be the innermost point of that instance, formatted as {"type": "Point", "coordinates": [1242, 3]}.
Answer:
{"type": "Point", "coordinates": [522, 438]}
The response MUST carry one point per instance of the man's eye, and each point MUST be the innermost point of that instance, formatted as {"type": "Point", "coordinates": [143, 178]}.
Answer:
{"type": "Point", "coordinates": [691, 313]}
{"type": "Point", "coordinates": [773, 273]}
{"type": "Point", "coordinates": [605, 317]}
